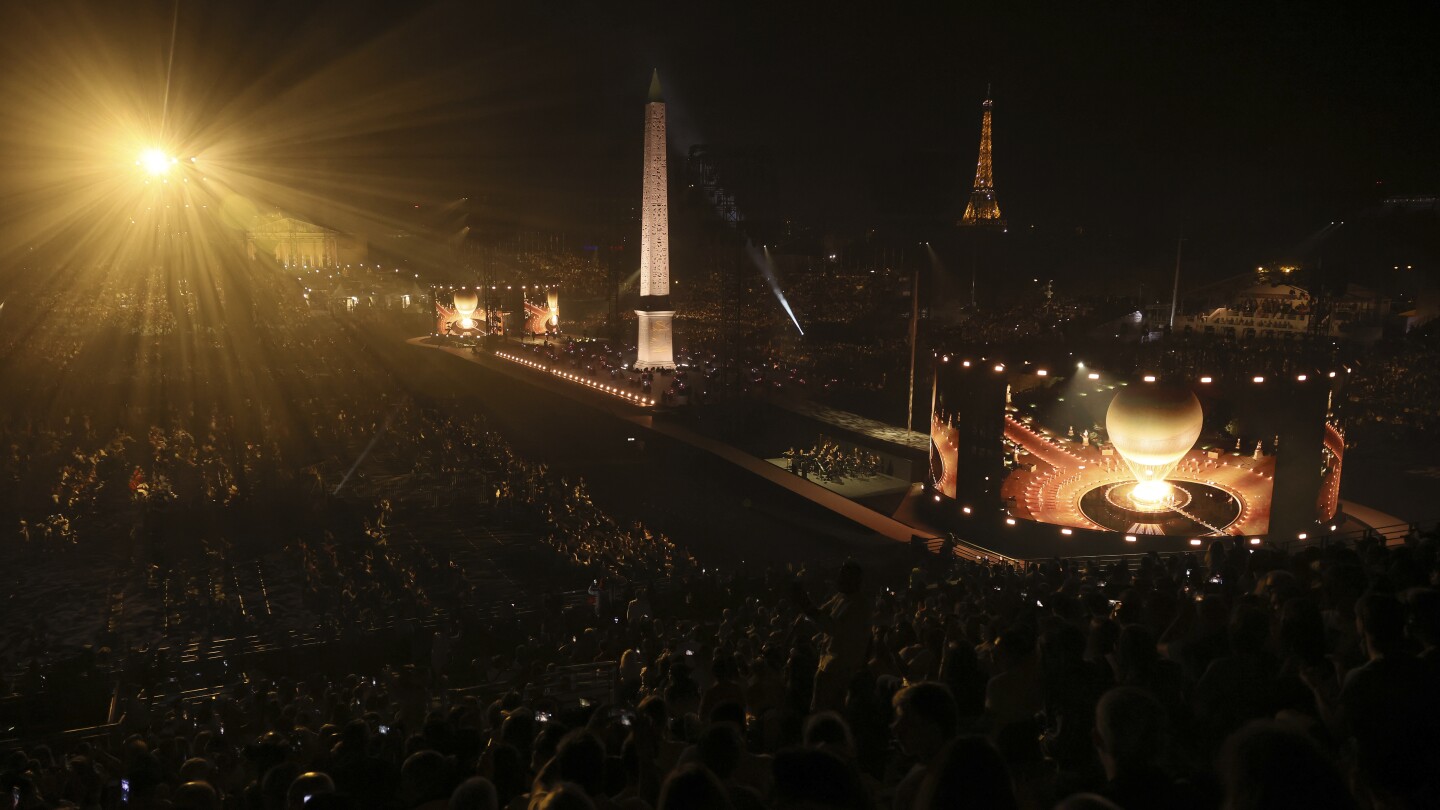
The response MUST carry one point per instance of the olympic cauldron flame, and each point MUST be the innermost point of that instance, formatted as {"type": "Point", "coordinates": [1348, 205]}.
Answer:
{"type": "Point", "coordinates": [1153, 426]}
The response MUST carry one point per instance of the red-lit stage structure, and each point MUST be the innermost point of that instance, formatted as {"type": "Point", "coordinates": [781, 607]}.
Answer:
{"type": "Point", "coordinates": [1120, 455]}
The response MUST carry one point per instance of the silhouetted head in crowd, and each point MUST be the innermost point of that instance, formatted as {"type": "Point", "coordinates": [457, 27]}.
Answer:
{"type": "Point", "coordinates": [1302, 631]}
{"type": "Point", "coordinates": [1129, 730]}
{"type": "Point", "coordinates": [271, 750]}
{"type": "Point", "coordinates": [655, 710]}
{"type": "Point", "coordinates": [195, 796]}
{"type": "Point", "coordinates": [197, 769]}
{"type": "Point", "coordinates": [693, 787]}
{"type": "Point", "coordinates": [1380, 620]}
{"type": "Point", "coordinates": [425, 777]}
{"type": "Point", "coordinates": [828, 730]}
{"type": "Point", "coordinates": [511, 776]}
{"type": "Point", "coordinates": [1424, 616]}
{"type": "Point", "coordinates": [518, 729]}
{"type": "Point", "coordinates": [355, 736]}
{"type": "Point", "coordinates": [305, 787]}
{"type": "Point", "coordinates": [1135, 652]}
{"type": "Point", "coordinates": [275, 787]}
{"type": "Point", "coordinates": [475, 793]}
{"type": "Point", "coordinates": [332, 801]}
{"type": "Point", "coordinates": [851, 578]}
{"type": "Point", "coordinates": [562, 796]}
{"type": "Point", "coordinates": [1249, 630]}
{"type": "Point", "coordinates": [812, 778]}
{"type": "Point", "coordinates": [1086, 801]}
{"type": "Point", "coordinates": [630, 762]}
{"type": "Point", "coordinates": [968, 772]}
{"type": "Point", "coordinates": [719, 749]}
{"type": "Point", "coordinates": [1014, 644]}
{"type": "Point", "coordinates": [1265, 765]}
{"type": "Point", "coordinates": [728, 712]}
{"type": "Point", "coordinates": [579, 759]}
{"type": "Point", "coordinates": [1062, 649]}
{"type": "Point", "coordinates": [925, 719]}
{"type": "Point", "coordinates": [542, 750]}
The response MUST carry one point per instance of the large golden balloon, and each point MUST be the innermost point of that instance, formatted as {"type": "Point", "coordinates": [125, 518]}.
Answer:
{"type": "Point", "coordinates": [466, 303]}
{"type": "Point", "coordinates": [1153, 426]}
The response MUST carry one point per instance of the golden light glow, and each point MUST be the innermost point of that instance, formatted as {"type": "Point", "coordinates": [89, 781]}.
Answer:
{"type": "Point", "coordinates": [155, 162]}
{"type": "Point", "coordinates": [99, 181]}
{"type": "Point", "coordinates": [1150, 493]}
{"type": "Point", "coordinates": [983, 207]}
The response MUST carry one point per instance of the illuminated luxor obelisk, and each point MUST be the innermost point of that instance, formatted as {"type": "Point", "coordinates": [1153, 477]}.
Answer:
{"type": "Point", "coordinates": [655, 314]}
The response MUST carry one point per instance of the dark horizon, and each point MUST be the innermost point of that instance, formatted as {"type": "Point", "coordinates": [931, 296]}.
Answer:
{"type": "Point", "coordinates": [1247, 132]}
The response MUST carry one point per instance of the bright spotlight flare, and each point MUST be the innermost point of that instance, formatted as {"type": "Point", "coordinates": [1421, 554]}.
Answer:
{"type": "Point", "coordinates": [767, 269]}
{"type": "Point", "coordinates": [1150, 492]}
{"type": "Point", "coordinates": [1153, 427]}
{"type": "Point", "coordinates": [155, 162]}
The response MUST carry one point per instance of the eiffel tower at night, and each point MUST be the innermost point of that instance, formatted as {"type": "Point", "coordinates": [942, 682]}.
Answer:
{"type": "Point", "coordinates": [983, 209]}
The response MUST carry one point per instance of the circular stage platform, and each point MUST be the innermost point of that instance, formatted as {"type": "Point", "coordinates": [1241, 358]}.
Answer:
{"type": "Point", "coordinates": [1190, 508]}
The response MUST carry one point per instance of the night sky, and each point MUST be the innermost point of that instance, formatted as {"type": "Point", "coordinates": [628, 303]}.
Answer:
{"type": "Point", "coordinates": [1253, 127]}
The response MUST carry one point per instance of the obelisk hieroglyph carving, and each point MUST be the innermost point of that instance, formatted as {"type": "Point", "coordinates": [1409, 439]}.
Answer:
{"type": "Point", "coordinates": [654, 342]}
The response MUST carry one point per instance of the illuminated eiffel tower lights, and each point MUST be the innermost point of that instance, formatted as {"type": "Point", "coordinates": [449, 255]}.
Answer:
{"type": "Point", "coordinates": [983, 209]}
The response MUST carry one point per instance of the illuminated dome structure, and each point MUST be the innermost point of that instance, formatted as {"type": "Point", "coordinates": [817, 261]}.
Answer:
{"type": "Point", "coordinates": [466, 303]}
{"type": "Point", "coordinates": [1152, 428]}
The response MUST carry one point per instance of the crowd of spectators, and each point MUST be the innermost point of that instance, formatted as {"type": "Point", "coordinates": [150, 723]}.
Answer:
{"type": "Point", "coordinates": [1243, 678]}
{"type": "Point", "coordinates": [1246, 677]}
{"type": "Point", "coordinates": [1395, 389]}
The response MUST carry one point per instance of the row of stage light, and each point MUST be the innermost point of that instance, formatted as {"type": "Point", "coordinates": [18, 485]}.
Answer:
{"type": "Point", "coordinates": [613, 390]}
{"type": "Point", "coordinates": [1149, 378]}
{"type": "Point", "coordinates": [1130, 538]}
